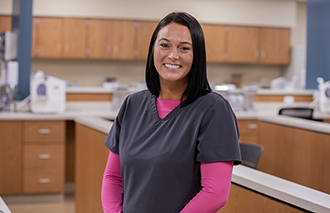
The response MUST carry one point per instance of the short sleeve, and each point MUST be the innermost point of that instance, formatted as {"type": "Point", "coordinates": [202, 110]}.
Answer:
{"type": "Point", "coordinates": [218, 135]}
{"type": "Point", "coordinates": [112, 140]}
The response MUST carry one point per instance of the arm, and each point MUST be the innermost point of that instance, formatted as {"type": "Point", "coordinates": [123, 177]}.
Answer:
{"type": "Point", "coordinates": [216, 180]}
{"type": "Point", "coordinates": [112, 188]}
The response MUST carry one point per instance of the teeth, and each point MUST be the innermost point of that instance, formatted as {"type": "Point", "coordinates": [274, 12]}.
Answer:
{"type": "Point", "coordinates": [172, 66]}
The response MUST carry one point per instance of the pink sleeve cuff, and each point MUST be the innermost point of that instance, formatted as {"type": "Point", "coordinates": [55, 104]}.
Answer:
{"type": "Point", "coordinates": [216, 181]}
{"type": "Point", "coordinates": [112, 188]}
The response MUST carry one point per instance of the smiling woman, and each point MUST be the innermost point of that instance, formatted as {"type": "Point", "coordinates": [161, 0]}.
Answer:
{"type": "Point", "coordinates": [173, 146]}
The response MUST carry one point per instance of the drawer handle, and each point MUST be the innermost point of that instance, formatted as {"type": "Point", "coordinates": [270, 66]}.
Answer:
{"type": "Point", "coordinates": [44, 156]}
{"type": "Point", "coordinates": [253, 126]}
{"type": "Point", "coordinates": [44, 131]}
{"type": "Point", "coordinates": [43, 180]}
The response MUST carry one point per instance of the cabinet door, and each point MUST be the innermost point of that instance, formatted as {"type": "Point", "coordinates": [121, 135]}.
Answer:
{"type": "Point", "coordinates": [10, 157]}
{"type": "Point", "coordinates": [248, 131]}
{"type": "Point", "coordinates": [214, 42]}
{"type": "Point", "coordinates": [47, 37]}
{"type": "Point", "coordinates": [275, 46]}
{"type": "Point", "coordinates": [242, 44]}
{"type": "Point", "coordinates": [123, 47]}
{"type": "Point", "coordinates": [5, 23]}
{"type": "Point", "coordinates": [74, 38]}
{"type": "Point", "coordinates": [98, 39]}
{"type": "Point", "coordinates": [144, 31]}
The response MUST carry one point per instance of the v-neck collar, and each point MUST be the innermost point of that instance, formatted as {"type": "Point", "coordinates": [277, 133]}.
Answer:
{"type": "Point", "coordinates": [172, 113]}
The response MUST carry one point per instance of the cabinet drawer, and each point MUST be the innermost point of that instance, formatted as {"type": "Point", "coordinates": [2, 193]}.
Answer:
{"type": "Point", "coordinates": [44, 131]}
{"type": "Point", "coordinates": [248, 126]}
{"type": "Point", "coordinates": [43, 181]}
{"type": "Point", "coordinates": [44, 156]}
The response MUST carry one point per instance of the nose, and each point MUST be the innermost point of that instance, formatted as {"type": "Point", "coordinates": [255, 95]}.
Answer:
{"type": "Point", "coordinates": [173, 54]}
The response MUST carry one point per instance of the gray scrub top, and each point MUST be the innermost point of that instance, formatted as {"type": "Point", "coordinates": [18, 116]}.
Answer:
{"type": "Point", "coordinates": [160, 158]}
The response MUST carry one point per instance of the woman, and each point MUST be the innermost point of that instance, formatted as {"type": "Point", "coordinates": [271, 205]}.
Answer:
{"type": "Point", "coordinates": [173, 146]}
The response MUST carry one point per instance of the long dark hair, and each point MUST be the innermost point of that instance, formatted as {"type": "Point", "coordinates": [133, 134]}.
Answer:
{"type": "Point", "coordinates": [198, 84]}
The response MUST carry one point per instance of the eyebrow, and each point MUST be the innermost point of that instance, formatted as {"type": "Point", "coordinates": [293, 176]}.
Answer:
{"type": "Point", "coordinates": [183, 42]}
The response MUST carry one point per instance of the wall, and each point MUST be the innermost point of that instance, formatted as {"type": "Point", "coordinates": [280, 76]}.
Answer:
{"type": "Point", "coordinates": [256, 12]}
{"type": "Point", "coordinates": [276, 13]}
{"type": "Point", "coordinates": [318, 42]}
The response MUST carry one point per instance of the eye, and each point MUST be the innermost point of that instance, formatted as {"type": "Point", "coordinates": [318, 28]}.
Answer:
{"type": "Point", "coordinates": [185, 48]}
{"type": "Point", "coordinates": [164, 45]}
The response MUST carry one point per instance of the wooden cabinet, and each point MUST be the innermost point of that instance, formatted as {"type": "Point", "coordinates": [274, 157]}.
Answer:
{"type": "Point", "coordinates": [214, 42]}
{"type": "Point", "coordinates": [243, 199]}
{"type": "Point", "coordinates": [274, 46]}
{"type": "Point", "coordinates": [280, 98]}
{"type": "Point", "coordinates": [10, 157]}
{"type": "Point", "coordinates": [297, 155]}
{"type": "Point", "coordinates": [100, 36]}
{"type": "Point", "coordinates": [91, 159]}
{"type": "Point", "coordinates": [44, 156]}
{"type": "Point", "coordinates": [112, 39]}
{"type": "Point", "coordinates": [123, 44]}
{"type": "Point", "coordinates": [58, 37]}
{"type": "Point", "coordinates": [249, 131]}
{"type": "Point", "coordinates": [74, 38]}
{"type": "Point", "coordinates": [55, 37]}
{"type": "Point", "coordinates": [242, 44]}
{"type": "Point", "coordinates": [5, 23]}
{"type": "Point", "coordinates": [144, 31]}
{"type": "Point", "coordinates": [257, 45]}
{"type": "Point", "coordinates": [47, 37]}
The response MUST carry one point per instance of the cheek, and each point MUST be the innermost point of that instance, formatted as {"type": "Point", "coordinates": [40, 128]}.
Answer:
{"type": "Point", "coordinates": [158, 55]}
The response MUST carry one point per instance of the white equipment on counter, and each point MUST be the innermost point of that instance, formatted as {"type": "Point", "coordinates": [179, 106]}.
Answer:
{"type": "Point", "coordinates": [324, 95]}
{"type": "Point", "coordinates": [8, 46]}
{"type": "Point", "coordinates": [48, 94]}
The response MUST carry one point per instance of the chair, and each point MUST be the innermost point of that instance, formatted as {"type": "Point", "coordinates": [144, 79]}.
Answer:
{"type": "Point", "coordinates": [298, 112]}
{"type": "Point", "coordinates": [250, 154]}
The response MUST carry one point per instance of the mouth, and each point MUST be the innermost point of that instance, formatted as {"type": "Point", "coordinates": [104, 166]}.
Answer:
{"type": "Point", "coordinates": [172, 66]}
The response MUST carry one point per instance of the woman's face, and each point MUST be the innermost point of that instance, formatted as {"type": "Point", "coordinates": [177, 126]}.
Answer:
{"type": "Point", "coordinates": [173, 53]}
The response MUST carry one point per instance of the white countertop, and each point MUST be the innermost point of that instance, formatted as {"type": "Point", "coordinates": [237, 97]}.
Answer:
{"type": "Point", "coordinates": [259, 92]}
{"type": "Point", "coordinates": [3, 207]}
{"type": "Point", "coordinates": [287, 191]}
{"type": "Point", "coordinates": [315, 126]}
{"type": "Point", "coordinates": [73, 109]}
{"type": "Point", "coordinates": [88, 90]}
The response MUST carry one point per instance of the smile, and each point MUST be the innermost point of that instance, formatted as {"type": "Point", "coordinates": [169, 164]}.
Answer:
{"type": "Point", "coordinates": [173, 66]}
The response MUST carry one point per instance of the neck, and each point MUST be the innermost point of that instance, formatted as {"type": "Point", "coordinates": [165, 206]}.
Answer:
{"type": "Point", "coordinates": [172, 91]}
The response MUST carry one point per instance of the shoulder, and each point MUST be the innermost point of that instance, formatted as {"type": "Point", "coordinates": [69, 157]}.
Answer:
{"type": "Point", "coordinates": [213, 98]}
{"type": "Point", "coordinates": [139, 96]}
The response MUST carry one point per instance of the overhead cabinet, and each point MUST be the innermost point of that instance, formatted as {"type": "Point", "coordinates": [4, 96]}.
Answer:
{"type": "Point", "coordinates": [127, 39]}
{"type": "Point", "coordinates": [243, 44]}
{"type": "Point", "coordinates": [214, 42]}
{"type": "Point", "coordinates": [112, 39]}
{"type": "Point", "coordinates": [144, 31]}
{"type": "Point", "coordinates": [257, 45]}
{"type": "Point", "coordinates": [5, 23]}
{"type": "Point", "coordinates": [58, 37]}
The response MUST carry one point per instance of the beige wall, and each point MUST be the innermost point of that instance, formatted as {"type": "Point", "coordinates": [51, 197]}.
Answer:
{"type": "Point", "coordinates": [277, 13]}
{"type": "Point", "coordinates": [247, 12]}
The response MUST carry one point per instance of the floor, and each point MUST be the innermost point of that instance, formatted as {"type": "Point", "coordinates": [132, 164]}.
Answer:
{"type": "Point", "coordinates": [63, 207]}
